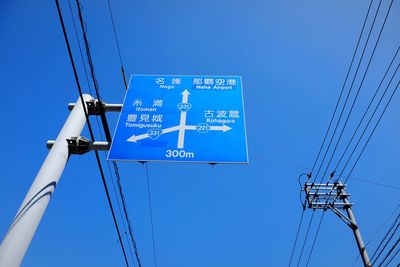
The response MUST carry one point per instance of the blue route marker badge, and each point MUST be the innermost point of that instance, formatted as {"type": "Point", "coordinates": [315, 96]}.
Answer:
{"type": "Point", "coordinates": [182, 118]}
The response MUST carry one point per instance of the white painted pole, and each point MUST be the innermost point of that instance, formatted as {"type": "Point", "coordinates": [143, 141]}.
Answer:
{"type": "Point", "coordinates": [25, 223]}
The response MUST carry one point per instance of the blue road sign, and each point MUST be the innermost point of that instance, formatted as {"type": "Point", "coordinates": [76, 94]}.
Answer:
{"type": "Point", "coordinates": [182, 118]}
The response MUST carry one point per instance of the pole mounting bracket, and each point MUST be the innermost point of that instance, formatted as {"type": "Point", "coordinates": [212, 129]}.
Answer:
{"type": "Point", "coordinates": [94, 108]}
{"type": "Point", "coordinates": [80, 145]}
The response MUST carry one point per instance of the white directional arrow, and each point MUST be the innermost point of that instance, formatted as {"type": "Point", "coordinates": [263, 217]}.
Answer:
{"type": "Point", "coordinates": [134, 138]}
{"type": "Point", "coordinates": [223, 128]}
{"type": "Point", "coordinates": [182, 123]}
{"type": "Point", "coordinates": [185, 96]}
{"type": "Point", "coordinates": [182, 127]}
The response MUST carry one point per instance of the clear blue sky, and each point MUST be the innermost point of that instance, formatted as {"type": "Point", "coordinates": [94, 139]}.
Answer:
{"type": "Point", "coordinates": [293, 56]}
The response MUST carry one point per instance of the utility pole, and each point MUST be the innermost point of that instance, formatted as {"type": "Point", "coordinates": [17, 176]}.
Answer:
{"type": "Point", "coordinates": [27, 219]}
{"type": "Point", "coordinates": [334, 197]}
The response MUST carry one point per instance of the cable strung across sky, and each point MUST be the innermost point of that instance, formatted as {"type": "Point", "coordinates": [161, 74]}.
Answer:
{"type": "Point", "coordinates": [337, 133]}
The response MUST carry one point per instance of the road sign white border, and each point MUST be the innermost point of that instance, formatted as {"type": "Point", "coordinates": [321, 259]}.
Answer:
{"type": "Point", "coordinates": [186, 161]}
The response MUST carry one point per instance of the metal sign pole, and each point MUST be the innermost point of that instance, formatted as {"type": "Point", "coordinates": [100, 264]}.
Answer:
{"type": "Point", "coordinates": [25, 223]}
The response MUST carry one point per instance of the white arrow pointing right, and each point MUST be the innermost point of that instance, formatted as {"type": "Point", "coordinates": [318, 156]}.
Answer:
{"type": "Point", "coordinates": [223, 128]}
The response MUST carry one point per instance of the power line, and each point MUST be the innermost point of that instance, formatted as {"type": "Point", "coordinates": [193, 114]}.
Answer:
{"type": "Point", "coordinates": [93, 75]}
{"type": "Point", "coordinates": [297, 236]}
{"type": "Point", "coordinates": [343, 86]}
{"type": "Point", "coordinates": [98, 125]}
{"type": "Point", "coordinates": [362, 80]}
{"type": "Point", "coordinates": [376, 125]}
{"type": "Point", "coordinates": [125, 209]}
{"type": "Point", "coordinates": [114, 163]}
{"type": "Point", "coordinates": [373, 131]}
{"type": "Point", "coordinates": [315, 237]}
{"type": "Point", "coordinates": [117, 43]}
{"type": "Point", "coordinates": [394, 256]}
{"type": "Point", "coordinates": [373, 52]}
{"type": "Point", "coordinates": [384, 223]}
{"type": "Point", "coordinates": [368, 107]}
{"type": "Point", "coordinates": [80, 48]}
{"type": "Point", "coordinates": [305, 238]}
{"type": "Point", "coordinates": [371, 118]}
{"type": "Point", "coordinates": [120, 210]}
{"type": "Point", "coordinates": [379, 229]}
{"type": "Point", "coordinates": [389, 252]}
{"type": "Point", "coordinates": [90, 130]}
{"type": "Point", "coordinates": [348, 94]}
{"type": "Point", "coordinates": [151, 214]}
{"type": "Point", "coordinates": [105, 127]}
{"type": "Point", "coordinates": [369, 138]}
{"type": "Point", "coordinates": [355, 98]}
{"type": "Point", "coordinates": [375, 183]}
{"type": "Point", "coordinates": [377, 254]}
{"type": "Point", "coordinates": [287, 164]}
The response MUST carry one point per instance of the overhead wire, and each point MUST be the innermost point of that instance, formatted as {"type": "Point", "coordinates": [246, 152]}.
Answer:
{"type": "Point", "coordinates": [297, 236]}
{"type": "Point", "coordinates": [92, 73]}
{"type": "Point", "coordinates": [90, 130]}
{"type": "Point", "coordinates": [129, 239]}
{"type": "Point", "coordinates": [315, 237]}
{"type": "Point", "coordinates": [365, 129]}
{"type": "Point", "coordinates": [389, 235]}
{"type": "Point", "coordinates": [383, 224]}
{"type": "Point", "coordinates": [343, 86]}
{"type": "Point", "coordinates": [127, 218]}
{"type": "Point", "coordinates": [389, 252]}
{"type": "Point", "coordinates": [373, 131]}
{"type": "Point", "coordinates": [358, 91]}
{"type": "Point", "coordinates": [151, 214]}
{"type": "Point", "coordinates": [347, 98]}
{"type": "Point", "coordinates": [80, 47]}
{"type": "Point", "coordinates": [362, 80]}
{"type": "Point", "coordinates": [344, 107]}
{"type": "Point", "coordinates": [117, 43]}
{"type": "Point", "coordinates": [287, 164]}
{"type": "Point", "coordinates": [348, 94]}
{"type": "Point", "coordinates": [368, 140]}
{"type": "Point", "coordinates": [106, 129]}
{"type": "Point", "coordinates": [126, 88]}
{"type": "Point", "coordinates": [393, 256]}
{"type": "Point", "coordinates": [378, 230]}
{"type": "Point", "coordinates": [375, 183]}
{"type": "Point", "coordinates": [371, 118]}
{"type": "Point", "coordinates": [305, 238]}
{"type": "Point", "coordinates": [368, 107]}
{"type": "Point", "coordinates": [98, 124]}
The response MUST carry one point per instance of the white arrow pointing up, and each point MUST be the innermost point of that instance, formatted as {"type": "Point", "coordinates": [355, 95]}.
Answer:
{"type": "Point", "coordinates": [185, 96]}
